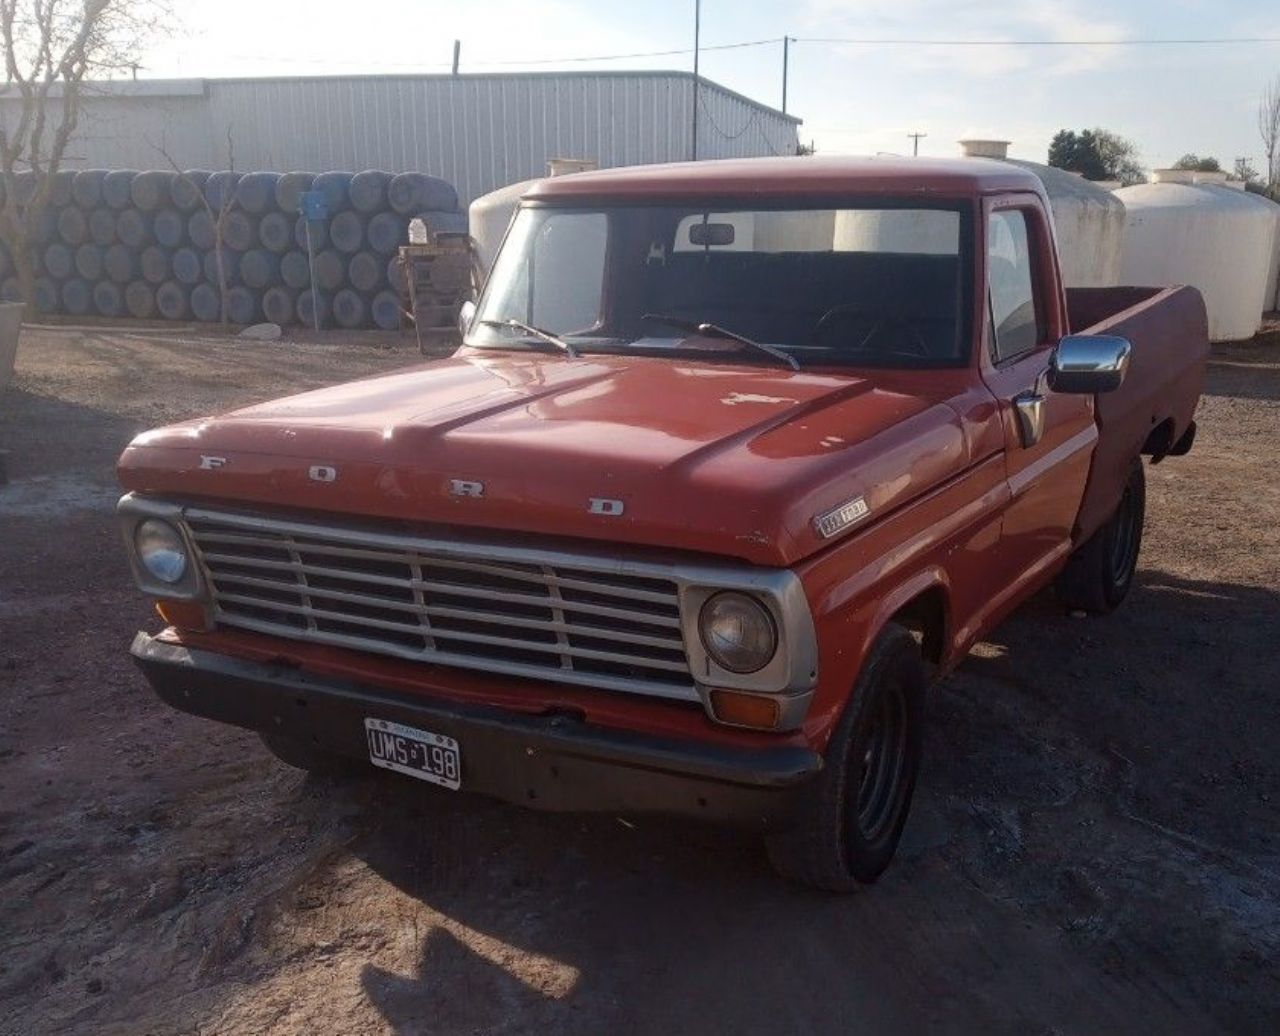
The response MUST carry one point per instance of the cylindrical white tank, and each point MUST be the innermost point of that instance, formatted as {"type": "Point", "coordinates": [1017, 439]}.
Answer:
{"type": "Point", "coordinates": [1270, 208]}
{"type": "Point", "coordinates": [489, 216]}
{"type": "Point", "coordinates": [1212, 238]}
{"type": "Point", "coordinates": [1088, 219]}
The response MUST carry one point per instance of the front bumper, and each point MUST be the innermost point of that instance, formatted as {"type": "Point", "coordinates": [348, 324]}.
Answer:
{"type": "Point", "coordinates": [551, 762]}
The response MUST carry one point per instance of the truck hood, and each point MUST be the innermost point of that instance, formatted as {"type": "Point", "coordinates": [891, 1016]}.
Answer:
{"type": "Point", "coordinates": [721, 458]}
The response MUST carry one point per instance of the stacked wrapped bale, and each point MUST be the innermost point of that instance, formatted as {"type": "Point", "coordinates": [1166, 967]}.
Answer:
{"type": "Point", "coordinates": [145, 244]}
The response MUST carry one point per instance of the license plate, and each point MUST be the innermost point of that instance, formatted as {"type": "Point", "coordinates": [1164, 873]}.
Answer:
{"type": "Point", "coordinates": [418, 753]}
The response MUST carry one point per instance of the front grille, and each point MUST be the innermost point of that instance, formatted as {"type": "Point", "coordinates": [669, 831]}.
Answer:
{"type": "Point", "coordinates": [497, 609]}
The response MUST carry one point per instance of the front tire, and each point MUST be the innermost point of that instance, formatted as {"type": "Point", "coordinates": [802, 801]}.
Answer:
{"type": "Point", "coordinates": [848, 822]}
{"type": "Point", "coordinates": [1099, 574]}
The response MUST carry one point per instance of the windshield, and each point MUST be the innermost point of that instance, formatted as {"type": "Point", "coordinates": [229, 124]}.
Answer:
{"type": "Point", "coordinates": [865, 286]}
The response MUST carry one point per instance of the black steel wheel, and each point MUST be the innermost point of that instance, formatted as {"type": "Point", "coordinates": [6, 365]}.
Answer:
{"type": "Point", "coordinates": [1099, 574]}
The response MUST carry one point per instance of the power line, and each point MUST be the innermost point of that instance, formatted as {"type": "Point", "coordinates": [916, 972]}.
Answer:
{"type": "Point", "coordinates": [903, 42]}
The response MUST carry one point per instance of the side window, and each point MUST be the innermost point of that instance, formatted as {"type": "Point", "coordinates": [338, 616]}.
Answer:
{"type": "Point", "coordinates": [1014, 321]}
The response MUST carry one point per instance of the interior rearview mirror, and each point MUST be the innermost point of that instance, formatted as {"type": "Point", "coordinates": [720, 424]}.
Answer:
{"type": "Point", "coordinates": [1087, 364]}
{"type": "Point", "coordinates": [466, 313]}
{"type": "Point", "coordinates": [715, 235]}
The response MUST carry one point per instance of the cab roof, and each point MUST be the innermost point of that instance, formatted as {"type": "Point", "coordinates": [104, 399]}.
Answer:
{"type": "Point", "coordinates": [792, 177]}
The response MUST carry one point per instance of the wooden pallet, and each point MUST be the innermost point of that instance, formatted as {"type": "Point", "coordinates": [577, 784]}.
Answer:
{"type": "Point", "coordinates": [439, 277]}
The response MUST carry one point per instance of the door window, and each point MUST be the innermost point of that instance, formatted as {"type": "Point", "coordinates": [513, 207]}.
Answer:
{"type": "Point", "coordinates": [1015, 324]}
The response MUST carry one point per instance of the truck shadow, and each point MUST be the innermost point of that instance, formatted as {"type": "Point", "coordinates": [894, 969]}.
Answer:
{"type": "Point", "coordinates": [1054, 753]}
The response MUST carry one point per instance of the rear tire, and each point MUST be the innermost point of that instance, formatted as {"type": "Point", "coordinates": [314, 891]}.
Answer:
{"type": "Point", "coordinates": [848, 822]}
{"type": "Point", "coordinates": [303, 756]}
{"type": "Point", "coordinates": [1099, 574]}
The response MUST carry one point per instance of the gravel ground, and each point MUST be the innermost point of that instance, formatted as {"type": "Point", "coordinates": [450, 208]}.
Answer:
{"type": "Point", "coordinates": [1095, 845]}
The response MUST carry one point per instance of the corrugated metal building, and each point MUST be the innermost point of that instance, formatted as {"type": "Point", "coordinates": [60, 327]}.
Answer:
{"type": "Point", "coordinates": [477, 131]}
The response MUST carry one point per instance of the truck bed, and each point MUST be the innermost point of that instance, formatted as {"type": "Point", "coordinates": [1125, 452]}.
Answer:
{"type": "Point", "coordinates": [1152, 411]}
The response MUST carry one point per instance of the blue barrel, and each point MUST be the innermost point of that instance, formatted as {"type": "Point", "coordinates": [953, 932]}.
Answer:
{"type": "Point", "coordinates": [368, 191]}
{"type": "Point", "coordinates": [220, 188]}
{"type": "Point", "coordinates": [10, 290]}
{"type": "Point", "coordinates": [365, 272]}
{"type": "Point", "coordinates": [88, 260]}
{"type": "Point", "coordinates": [169, 227]}
{"type": "Point", "coordinates": [46, 295]}
{"type": "Point", "coordinates": [60, 193]}
{"type": "Point", "coordinates": [188, 266]}
{"type": "Point", "coordinates": [200, 230]}
{"type": "Point", "coordinates": [6, 261]}
{"type": "Point", "coordinates": [156, 264]}
{"type": "Point", "coordinates": [172, 301]}
{"type": "Point", "coordinates": [73, 228]}
{"type": "Point", "coordinates": [24, 187]}
{"type": "Point", "coordinates": [275, 232]}
{"type": "Point", "coordinates": [385, 310]}
{"type": "Point", "coordinates": [140, 300]}
{"type": "Point", "coordinates": [117, 188]}
{"type": "Point", "coordinates": [334, 187]}
{"type": "Point", "coordinates": [349, 309]}
{"type": "Point", "coordinates": [396, 275]}
{"type": "Point", "coordinates": [152, 189]}
{"type": "Point", "coordinates": [108, 299]}
{"type": "Point", "coordinates": [294, 271]}
{"type": "Point", "coordinates": [256, 192]}
{"type": "Point", "coordinates": [346, 232]}
{"type": "Point", "coordinates": [86, 188]}
{"type": "Point", "coordinates": [330, 270]}
{"type": "Point", "coordinates": [46, 228]}
{"type": "Point", "coordinates": [102, 227]}
{"type": "Point", "coordinates": [120, 263]}
{"type": "Point", "coordinates": [259, 268]}
{"type": "Point", "coordinates": [205, 303]}
{"type": "Point", "coordinates": [186, 190]}
{"type": "Point", "coordinates": [242, 305]}
{"type": "Point", "coordinates": [59, 262]}
{"type": "Point", "coordinates": [76, 296]}
{"type": "Point", "coordinates": [289, 190]}
{"type": "Point", "coordinates": [230, 265]}
{"type": "Point", "coordinates": [133, 228]}
{"type": "Point", "coordinates": [280, 306]}
{"type": "Point", "coordinates": [239, 231]}
{"type": "Point", "coordinates": [304, 309]}
{"type": "Point", "coordinates": [319, 234]}
{"type": "Point", "coordinates": [411, 193]}
{"type": "Point", "coordinates": [387, 231]}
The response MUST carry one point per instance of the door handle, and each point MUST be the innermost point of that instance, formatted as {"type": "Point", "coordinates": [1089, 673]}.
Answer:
{"type": "Point", "coordinates": [1029, 406]}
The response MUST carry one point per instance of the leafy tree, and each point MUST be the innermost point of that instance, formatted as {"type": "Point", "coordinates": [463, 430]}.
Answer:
{"type": "Point", "coordinates": [1244, 171]}
{"type": "Point", "coordinates": [1097, 154]}
{"type": "Point", "coordinates": [1206, 164]}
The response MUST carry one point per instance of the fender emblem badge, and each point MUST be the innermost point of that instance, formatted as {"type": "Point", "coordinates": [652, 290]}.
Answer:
{"type": "Point", "coordinates": [610, 508]}
{"type": "Point", "coordinates": [322, 473]}
{"type": "Point", "coordinates": [835, 521]}
{"type": "Point", "coordinates": [461, 487]}
{"type": "Point", "coordinates": [212, 463]}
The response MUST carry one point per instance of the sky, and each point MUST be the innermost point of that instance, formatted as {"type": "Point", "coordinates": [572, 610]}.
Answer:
{"type": "Point", "coordinates": [855, 98]}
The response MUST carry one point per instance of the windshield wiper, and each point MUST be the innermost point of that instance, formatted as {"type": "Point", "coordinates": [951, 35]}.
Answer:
{"type": "Point", "coordinates": [716, 331]}
{"type": "Point", "coordinates": [536, 332]}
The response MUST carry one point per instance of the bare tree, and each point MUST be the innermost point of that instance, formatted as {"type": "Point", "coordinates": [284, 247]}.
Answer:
{"type": "Point", "coordinates": [218, 217]}
{"type": "Point", "coordinates": [53, 50]}
{"type": "Point", "coordinates": [1269, 130]}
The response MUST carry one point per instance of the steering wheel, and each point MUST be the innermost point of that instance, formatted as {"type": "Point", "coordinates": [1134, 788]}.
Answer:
{"type": "Point", "coordinates": [913, 343]}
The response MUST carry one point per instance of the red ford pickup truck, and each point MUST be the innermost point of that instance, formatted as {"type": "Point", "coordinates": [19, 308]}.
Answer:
{"type": "Point", "coordinates": [734, 458]}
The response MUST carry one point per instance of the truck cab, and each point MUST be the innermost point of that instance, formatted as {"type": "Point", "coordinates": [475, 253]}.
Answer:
{"type": "Point", "coordinates": [735, 457]}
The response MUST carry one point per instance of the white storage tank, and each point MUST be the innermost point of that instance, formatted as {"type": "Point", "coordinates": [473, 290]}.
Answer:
{"type": "Point", "coordinates": [1266, 205]}
{"type": "Point", "coordinates": [1088, 219]}
{"type": "Point", "coordinates": [1211, 237]}
{"type": "Point", "coordinates": [489, 216]}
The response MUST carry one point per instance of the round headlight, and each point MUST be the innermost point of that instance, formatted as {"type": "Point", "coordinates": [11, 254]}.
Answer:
{"type": "Point", "coordinates": [161, 550]}
{"type": "Point", "coordinates": [738, 632]}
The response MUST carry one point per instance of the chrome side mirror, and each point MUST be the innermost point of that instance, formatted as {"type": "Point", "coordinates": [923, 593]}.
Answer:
{"type": "Point", "coordinates": [1087, 364]}
{"type": "Point", "coordinates": [466, 314]}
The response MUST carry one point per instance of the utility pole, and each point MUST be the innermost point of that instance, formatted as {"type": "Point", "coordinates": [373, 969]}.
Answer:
{"type": "Point", "coordinates": [697, 32]}
{"type": "Point", "coordinates": [457, 53]}
{"type": "Point", "coordinates": [915, 143]}
{"type": "Point", "coordinates": [786, 47]}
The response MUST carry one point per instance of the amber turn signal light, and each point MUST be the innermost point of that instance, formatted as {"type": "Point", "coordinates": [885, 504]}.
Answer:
{"type": "Point", "coordinates": [745, 710]}
{"type": "Point", "coordinates": [185, 615]}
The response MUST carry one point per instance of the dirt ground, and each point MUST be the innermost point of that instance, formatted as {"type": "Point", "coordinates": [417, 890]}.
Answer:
{"type": "Point", "coordinates": [1095, 845]}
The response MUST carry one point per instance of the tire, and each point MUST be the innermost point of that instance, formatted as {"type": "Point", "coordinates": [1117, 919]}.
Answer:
{"type": "Point", "coordinates": [1099, 574]}
{"type": "Point", "coordinates": [846, 828]}
{"type": "Point", "coordinates": [307, 757]}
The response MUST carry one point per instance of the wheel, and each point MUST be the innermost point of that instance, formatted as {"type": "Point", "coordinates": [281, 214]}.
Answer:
{"type": "Point", "coordinates": [848, 822]}
{"type": "Point", "coordinates": [307, 757]}
{"type": "Point", "coordinates": [1100, 572]}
